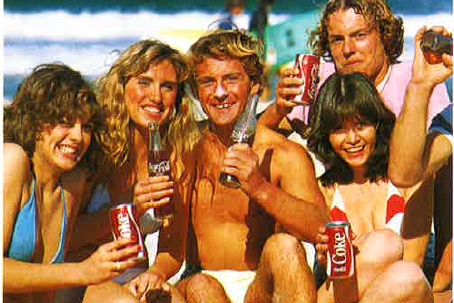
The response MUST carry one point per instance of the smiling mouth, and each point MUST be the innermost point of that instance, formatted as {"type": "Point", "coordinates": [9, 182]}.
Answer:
{"type": "Point", "coordinates": [223, 105]}
{"type": "Point", "coordinates": [68, 151]}
{"type": "Point", "coordinates": [152, 110]}
{"type": "Point", "coordinates": [355, 150]}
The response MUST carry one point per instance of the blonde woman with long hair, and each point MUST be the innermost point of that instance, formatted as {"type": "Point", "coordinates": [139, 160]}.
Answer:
{"type": "Point", "coordinates": [144, 85]}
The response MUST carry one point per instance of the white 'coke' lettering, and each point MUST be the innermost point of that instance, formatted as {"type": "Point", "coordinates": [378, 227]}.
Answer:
{"type": "Point", "coordinates": [123, 225]}
{"type": "Point", "coordinates": [313, 85]}
{"type": "Point", "coordinates": [340, 250]}
{"type": "Point", "coordinates": [161, 168]}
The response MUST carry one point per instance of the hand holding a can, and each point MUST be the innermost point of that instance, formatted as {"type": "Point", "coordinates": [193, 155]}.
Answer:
{"type": "Point", "coordinates": [335, 249]}
{"type": "Point", "coordinates": [152, 192]}
{"type": "Point", "coordinates": [110, 260]}
{"type": "Point", "coordinates": [322, 246]}
{"type": "Point", "coordinates": [289, 86]}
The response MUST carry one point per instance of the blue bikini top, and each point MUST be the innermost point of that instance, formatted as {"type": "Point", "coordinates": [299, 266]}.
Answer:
{"type": "Point", "coordinates": [23, 241]}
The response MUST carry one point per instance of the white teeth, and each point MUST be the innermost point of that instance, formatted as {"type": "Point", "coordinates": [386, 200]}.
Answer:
{"type": "Point", "coordinates": [223, 106]}
{"type": "Point", "coordinates": [152, 110]}
{"type": "Point", "coordinates": [355, 149]}
{"type": "Point", "coordinates": [67, 149]}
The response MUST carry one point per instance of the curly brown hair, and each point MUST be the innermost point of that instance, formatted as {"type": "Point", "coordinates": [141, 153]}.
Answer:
{"type": "Point", "coordinates": [376, 12]}
{"type": "Point", "coordinates": [51, 94]}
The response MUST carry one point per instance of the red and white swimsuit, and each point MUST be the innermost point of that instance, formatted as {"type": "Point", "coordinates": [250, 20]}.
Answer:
{"type": "Point", "coordinates": [395, 208]}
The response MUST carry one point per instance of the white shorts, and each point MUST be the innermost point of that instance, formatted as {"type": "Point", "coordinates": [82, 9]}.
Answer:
{"type": "Point", "coordinates": [235, 283]}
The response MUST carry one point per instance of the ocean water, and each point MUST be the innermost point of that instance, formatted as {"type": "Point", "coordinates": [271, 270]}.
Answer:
{"type": "Point", "coordinates": [90, 41]}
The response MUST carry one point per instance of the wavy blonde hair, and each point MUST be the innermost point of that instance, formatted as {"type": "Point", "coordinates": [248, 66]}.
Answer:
{"type": "Point", "coordinates": [236, 44]}
{"type": "Point", "coordinates": [182, 132]}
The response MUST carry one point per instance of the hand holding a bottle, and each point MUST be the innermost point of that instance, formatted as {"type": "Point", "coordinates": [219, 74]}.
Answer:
{"type": "Point", "coordinates": [242, 162]}
{"type": "Point", "coordinates": [152, 192]}
{"type": "Point", "coordinates": [147, 284]}
{"type": "Point", "coordinates": [430, 73]}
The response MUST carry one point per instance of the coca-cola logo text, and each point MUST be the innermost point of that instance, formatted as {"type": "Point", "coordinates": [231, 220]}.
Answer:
{"type": "Point", "coordinates": [242, 136]}
{"type": "Point", "coordinates": [313, 84]}
{"type": "Point", "coordinates": [123, 225]}
{"type": "Point", "coordinates": [160, 169]}
{"type": "Point", "coordinates": [340, 249]}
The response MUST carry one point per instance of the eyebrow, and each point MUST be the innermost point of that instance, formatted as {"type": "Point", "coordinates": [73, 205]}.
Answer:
{"type": "Point", "coordinates": [223, 76]}
{"type": "Point", "coordinates": [366, 29]}
{"type": "Point", "coordinates": [142, 77]}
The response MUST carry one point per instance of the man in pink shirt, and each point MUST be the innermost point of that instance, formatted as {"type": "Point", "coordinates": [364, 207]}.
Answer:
{"type": "Point", "coordinates": [348, 42]}
{"type": "Point", "coordinates": [359, 36]}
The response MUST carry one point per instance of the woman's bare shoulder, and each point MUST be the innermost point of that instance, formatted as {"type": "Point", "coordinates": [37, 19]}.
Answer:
{"type": "Point", "coordinates": [15, 158]}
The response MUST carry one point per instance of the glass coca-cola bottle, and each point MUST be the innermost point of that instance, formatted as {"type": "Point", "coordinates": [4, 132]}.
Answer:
{"type": "Point", "coordinates": [434, 45]}
{"type": "Point", "coordinates": [243, 132]}
{"type": "Point", "coordinates": [158, 165]}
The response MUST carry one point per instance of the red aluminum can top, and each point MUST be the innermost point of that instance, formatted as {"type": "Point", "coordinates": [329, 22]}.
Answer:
{"type": "Point", "coordinates": [333, 224]}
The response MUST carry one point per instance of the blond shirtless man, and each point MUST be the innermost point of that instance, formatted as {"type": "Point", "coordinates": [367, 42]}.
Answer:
{"type": "Point", "coordinates": [234, 241]}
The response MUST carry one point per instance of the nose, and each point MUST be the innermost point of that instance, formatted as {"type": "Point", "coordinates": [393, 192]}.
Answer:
{"type": "Point", "coordinates": [220, 93]}
{"type": "Point", "coordinates": [76, 132]}
{"type": "Point", "coordinates": [154, 93]}
{"type": "Point", "coordinates": [352, 136]}
{"type": "Point", "coordinates": [348, 47]}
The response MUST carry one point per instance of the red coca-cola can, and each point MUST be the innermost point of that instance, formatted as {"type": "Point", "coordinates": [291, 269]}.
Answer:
{"type": "Point", "coordinates": [123, 222]}
{"type": "Point", "coordinates": [341, 259]}
{"type": "Point", "coordinates": [308, 66]}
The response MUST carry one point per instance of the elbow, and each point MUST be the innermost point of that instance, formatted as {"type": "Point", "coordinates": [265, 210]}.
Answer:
{"type": "Point", "coordinates": [401, 178]}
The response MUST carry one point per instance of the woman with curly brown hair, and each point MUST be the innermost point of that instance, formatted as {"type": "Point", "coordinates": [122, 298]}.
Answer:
{"type": "Point", "coordinates": [48, 156]}
{"type": "Point", "coordinates": [144, 85]}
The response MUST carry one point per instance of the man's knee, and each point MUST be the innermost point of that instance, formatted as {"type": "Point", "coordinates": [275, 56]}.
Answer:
{"type": "Point", "coordinates": [382, 246]}
{"type": "Point", "coordinates": [282, 243]}
{"type": "Point", "coordinates": [202, 283]}
{"type": "Point", "coordinates": [409, 276]}
{"type": "Point", "coordinates": [283, 250]}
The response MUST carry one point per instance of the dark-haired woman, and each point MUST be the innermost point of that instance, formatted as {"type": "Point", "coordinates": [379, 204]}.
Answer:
{"type": "Point", "coordinates": [350, 129]}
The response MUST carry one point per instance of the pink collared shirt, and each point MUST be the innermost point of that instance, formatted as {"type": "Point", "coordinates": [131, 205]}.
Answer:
{"type": "Point", "coordinates": [392, 91]}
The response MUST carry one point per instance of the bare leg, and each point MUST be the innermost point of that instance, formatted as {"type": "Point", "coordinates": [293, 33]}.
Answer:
{"type": "Point", "coordinates": [375, 252]}
{"type": "Point", "coordinates": [443, 208]}
{"type": "Point", "coordinates": [401, 282]}
{"type": "Point", "coordinates": [443, 297]}
{"type": "Point", "coordinates": [417, 222]}
{"type": "Point", "coordinates": [160, 296]}
{"type": "Point", "coordinates": [283, 274]}
{"type": "Point", "coordinates": [443, 275]}
{"type": "Point", "coordinates": [202, 288]}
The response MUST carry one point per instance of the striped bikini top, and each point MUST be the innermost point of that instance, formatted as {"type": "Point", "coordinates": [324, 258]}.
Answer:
{"type": "Point", "coordinates": [395, 208]}
{"type": "Point", "coordinates": [23, 240]}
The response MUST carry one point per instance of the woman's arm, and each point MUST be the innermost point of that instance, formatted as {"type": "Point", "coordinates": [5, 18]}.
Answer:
{"type": "Point", "coordinates": [16, 187]}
